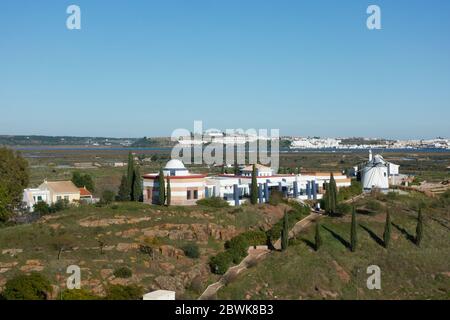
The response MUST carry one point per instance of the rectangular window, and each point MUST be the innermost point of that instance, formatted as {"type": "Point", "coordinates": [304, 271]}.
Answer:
{"type": "Point", "coordinates": [66, 198]}
{"type": "Point", "coordinates": [39, 198]}
{"type": "Point", "coordinates": [195, 194]}
{"type": "Point", "coordinates": [58, 198]}
{"type": "Point", "coordinates": [188, 195]}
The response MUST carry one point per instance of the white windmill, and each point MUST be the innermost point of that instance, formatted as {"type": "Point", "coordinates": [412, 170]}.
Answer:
{"type": "Point", "coordinates": [375, 173]}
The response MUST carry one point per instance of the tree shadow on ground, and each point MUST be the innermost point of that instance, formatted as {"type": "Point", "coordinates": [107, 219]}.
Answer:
{"type": "Point", "coordinates": [373, 235]}
{"type": "Point", "coordinates": [309, 243]}
{"type": "Point", "coordinates": [442, 223]}
{"type": "Point", "coordinates": [408, 235]}
{"type": "Point", "coordinates": [270, 244]}
{"type": "Point", "coordinates": [338, 237]}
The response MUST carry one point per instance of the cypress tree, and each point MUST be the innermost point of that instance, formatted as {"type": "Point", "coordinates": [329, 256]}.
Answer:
{"type": "Point", "coordinates": [137, 185]}
{"type": "Point", "coordinates": [236, 168]}
{"type": "Point", "coordinates": [169, 192]}
{"type": "Point", "coordinates": [285, 232]}
{"type": "Point", "coordinates": [130, 175]}
{"type": "Point", "coordinates": [223, 169]}
{"type": "Point", "coordinates": [333, 194]}
{"type": "Point", "coordinates": [353, 238]}
{"type": "Point", "coordinates": [327, 198]}
{"type": "Point", "coordinates": [317, 237]}
{"type": "Point", "coordinates": [254, 187]}
{"type": "Point", "coordinates": [162, 188]}
{"type": "Point", "coordinates": [419, 228]}
{"type": "Point", "coordinates": [124, 194]}
{"type": "Point", "coordinates": [387, 230]}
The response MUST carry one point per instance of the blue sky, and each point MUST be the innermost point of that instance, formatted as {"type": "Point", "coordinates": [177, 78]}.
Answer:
{"type": "Point", "coordinates": [147, 67]}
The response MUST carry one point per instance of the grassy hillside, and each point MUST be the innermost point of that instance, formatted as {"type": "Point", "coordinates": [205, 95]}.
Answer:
{"type": "Point", "coordinates": [103, 239]}
{"type": "Point", "coordinates": [334, 272]}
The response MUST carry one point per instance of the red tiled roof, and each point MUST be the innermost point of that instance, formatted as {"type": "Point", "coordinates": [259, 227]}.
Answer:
{"type": "Point", "coordinates": [85, 192]}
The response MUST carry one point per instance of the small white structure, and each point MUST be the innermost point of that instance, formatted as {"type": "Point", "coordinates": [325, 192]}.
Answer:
{"type": "Point", "coordinates": [32, 196]}
{"type": "Point", "coordinates": [261, 171]}
{"type": "Point", "coordinates": [51, 192]}
{"type": "Point", "coordinates": [159, 295]}
{"type": "Point", "coordinates": [375, 174]}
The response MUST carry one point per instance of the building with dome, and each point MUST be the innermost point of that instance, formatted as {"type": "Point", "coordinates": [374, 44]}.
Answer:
{"type": "Point", "coordinates": [186, 188]}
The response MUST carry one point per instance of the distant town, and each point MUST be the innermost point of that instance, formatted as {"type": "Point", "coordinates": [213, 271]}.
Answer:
{"type": "Point", "coordinates": [286, 142]}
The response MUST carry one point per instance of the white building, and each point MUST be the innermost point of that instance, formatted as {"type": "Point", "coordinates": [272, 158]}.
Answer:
{"type": "Point", "coordinates": [159, 295]}
{"type": "Point", "coordinates": [185, 187]}
{"type": "Point", "coordinates": [376, 173]}
{"type": "Point", "coordinates": [32, 196]}
{"type": "Point", "coordinates": [301, 186]}
{"type": "Point", "coordinates": [51, 192]}
{"type": "Point", "coordinates": [261, 171]}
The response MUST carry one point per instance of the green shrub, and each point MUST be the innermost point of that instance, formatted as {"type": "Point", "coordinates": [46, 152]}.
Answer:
{"type": "Point", "coordinates": [123, 272]}
{"type": "Point", "coordinates": [27, 287]}
{"type": "Point", "coordinates": [220, 263]}
{"type": "Point", "coordinates": [214, 202]}
{"type": "Point", "coordinates": [59, 205]}
{"type": "Point", "coordinates": [42, 208]}
{"type": "Point", "coordinates": [108, 196]}
{"type": "Point", "coordinates": [246, 239]}
{"type": "Point", "coordinates": [78, 294]}
{"type": "Point", "coordinates": [373, 205]}
{"type": "Point", "coordinates": [120, 292]}
{"type": "Point", "coordinates": [255, 237]}
{"type": "Point", "coordinates": [346, 193]}
{"type": "Point", "coordinates": [191, 250]}
{"type": "Point", "coordinates": [343, 208]}
{"type": "Point", "coordinates": [237, 254]}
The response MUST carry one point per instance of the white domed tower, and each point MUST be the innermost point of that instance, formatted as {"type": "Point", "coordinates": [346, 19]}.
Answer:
{"type": "Point", "coordinates": [175, 167]}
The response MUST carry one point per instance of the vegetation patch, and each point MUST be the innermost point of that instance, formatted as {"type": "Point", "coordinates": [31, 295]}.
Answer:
{"type": "Point", "coordinates": [123, 272]}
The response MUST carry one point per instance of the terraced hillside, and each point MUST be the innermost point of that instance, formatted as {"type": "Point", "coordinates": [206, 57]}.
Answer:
{"type": "Point", "coordinates": [147, 239]}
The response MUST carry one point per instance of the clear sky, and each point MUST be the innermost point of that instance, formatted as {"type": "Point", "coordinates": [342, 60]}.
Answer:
{"type": "Point", "coordinates": [144, 68]}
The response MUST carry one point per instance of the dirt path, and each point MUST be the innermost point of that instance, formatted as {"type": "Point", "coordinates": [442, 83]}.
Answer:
{"type": "Point", "coordinates": [298, 227]}
{"type": "Point", "coordinates": [255, 256]}
{"type": "Point", "coordinates": [359, 196]}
